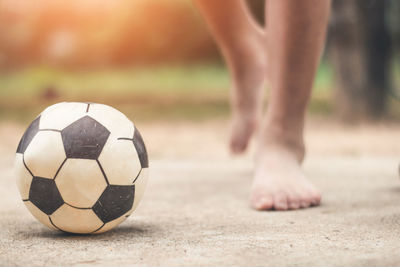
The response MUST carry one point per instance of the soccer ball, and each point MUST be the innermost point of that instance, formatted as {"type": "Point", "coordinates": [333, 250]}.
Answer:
{"type": "Point", "coordinates": [81, 167]}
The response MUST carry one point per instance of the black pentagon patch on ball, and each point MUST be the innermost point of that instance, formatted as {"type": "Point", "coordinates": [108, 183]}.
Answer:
{"type": "Point", "coordinates": [115, 201]}
{"type": "Point", "coordinates": [141, 149]}
{"type": "Point", "coordinates": [84, 139]}
{"type": "Point", "coordinates": [28, 135]}
{"type": "Point", "coordinates": [45, 195]}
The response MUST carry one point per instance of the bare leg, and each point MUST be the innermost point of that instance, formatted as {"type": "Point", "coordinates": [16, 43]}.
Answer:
{"type": "Point", "coordinates": [242, 43]}
{"type": "Point", "coordinates": [296, 33]}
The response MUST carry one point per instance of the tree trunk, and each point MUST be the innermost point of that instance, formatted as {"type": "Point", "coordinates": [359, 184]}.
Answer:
{"type": "Point", "coordinates": [360, 53]}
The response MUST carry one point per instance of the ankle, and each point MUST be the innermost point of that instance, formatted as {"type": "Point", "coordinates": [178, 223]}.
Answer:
{"type": "Point", "coordinates": [275, 138]}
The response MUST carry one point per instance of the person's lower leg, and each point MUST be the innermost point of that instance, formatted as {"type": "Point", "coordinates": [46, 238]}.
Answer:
{"type": "Point", "coordinates": [296, 33]}
{"type": "Point", "coordinates": [241, 41]}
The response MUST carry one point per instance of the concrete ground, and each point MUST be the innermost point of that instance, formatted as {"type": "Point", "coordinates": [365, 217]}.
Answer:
{"type": "Point", "coordinates": [195, 209]}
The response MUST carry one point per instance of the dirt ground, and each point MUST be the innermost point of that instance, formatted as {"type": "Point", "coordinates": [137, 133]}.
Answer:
{"type": "Point", "coordinates": [195, 209]}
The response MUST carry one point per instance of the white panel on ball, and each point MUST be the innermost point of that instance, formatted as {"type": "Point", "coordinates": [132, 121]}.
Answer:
{"type": "Point", "coordinates": [115, 121]}
{"type": "Point", "coordinates": [24, 178]}
{"type": "Point", "coordinates": [140, 185]}
{"type": "Point", "coordinates": [120, 161]}
{"type": "Point", "coordinates": [80, 182]}
{"type": "Point", "coordinates": [39, 215]}
{"type": "Point", "coordinates": [45, 154]}
{"type": "Point", "coordinates": [79, 221]}
{"type": "Point", "coordinates": [111, 224]}
{"type": "Point", "coordinates": [59, 116]}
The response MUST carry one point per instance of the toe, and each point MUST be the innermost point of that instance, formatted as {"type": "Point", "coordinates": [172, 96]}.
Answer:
{"type": "Point", "coordinates": [262, 203]}
{"type": "Point", "coordinates": [280, 202]}
{"type": "Point", "coordinates": [313, 195]}
{"type": "Point", "coordinates": [305, 201]}
{"type": "Point", "coordinates": [239, 141]}
{"type": "Point", "coordinates": [293, 202]}
{"type": "Point", "coordinates": [237, 146]}
{"type": "Point", "coordinates": [242, 130]}
{"type": "Point", "coordinates": [316, 198]}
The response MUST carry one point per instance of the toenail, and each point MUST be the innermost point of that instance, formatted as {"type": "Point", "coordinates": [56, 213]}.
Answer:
{"type": "Point", "coordinates": [261, 203]}
{"type": "Point", "coordinates": [281, 206]}
{"type": "Point", "coordinates": [305, 204]}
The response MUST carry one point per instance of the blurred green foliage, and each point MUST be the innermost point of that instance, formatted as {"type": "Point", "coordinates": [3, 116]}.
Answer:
{"type": "Point", "coordinates": [34, 81]}
{"type": "Point", "coordinates": [153, 59]}
{"type": "Point", "coordinates": [180, 91]}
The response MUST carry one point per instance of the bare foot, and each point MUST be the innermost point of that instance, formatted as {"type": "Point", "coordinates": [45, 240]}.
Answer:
{"type": "Point", "coordinates": [247, 65]}
{"type": "Point", "coordinates": [279, 182]}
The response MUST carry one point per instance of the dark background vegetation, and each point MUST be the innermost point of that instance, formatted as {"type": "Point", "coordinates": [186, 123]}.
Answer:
{"type": "Point", "coordinates": [155, 59]}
